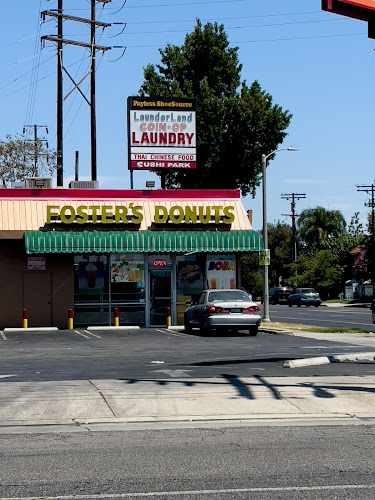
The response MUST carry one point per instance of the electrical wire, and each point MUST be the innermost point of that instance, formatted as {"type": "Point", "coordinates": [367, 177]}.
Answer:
{"type": "Point", "coordinates": [34, 73]}
{"type": "Point", "coordinates": [24, 74]}
{"type": "Point", "coordinates": [242, 27]}
{"type": "Point", "coordinates": [263, 40]}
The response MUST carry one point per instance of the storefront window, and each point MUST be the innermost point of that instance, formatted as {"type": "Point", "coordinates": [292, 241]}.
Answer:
{"type": "Point", "coordinates": [103, 283]}
{"type": "Point", "coordinates": [221, 271]}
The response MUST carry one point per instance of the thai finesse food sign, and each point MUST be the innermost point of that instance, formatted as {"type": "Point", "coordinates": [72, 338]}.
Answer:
{"type": "Point", "coordinates": [161, 133]}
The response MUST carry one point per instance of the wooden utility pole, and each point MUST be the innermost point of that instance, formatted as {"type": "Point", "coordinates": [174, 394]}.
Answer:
{"type": "Point", "coordinates": [59, 112]}
{"type": "Point", "coordinates": [293, 215]}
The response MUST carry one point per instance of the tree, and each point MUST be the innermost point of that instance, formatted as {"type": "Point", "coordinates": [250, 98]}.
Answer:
{"type": "Point", "coordinates": [236, 123]}
{"type": "Point", "coordinates": [316, 225]}
{"type": "Point", "coordinates": [320, 271]}
{"type": "Point", "coordinates": [17, 159]}
{"type": "Point", "coordinates": [280, 245]}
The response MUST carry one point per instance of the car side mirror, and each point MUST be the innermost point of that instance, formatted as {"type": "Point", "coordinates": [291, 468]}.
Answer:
{"type": "Point", "coordinates": [188, 302]}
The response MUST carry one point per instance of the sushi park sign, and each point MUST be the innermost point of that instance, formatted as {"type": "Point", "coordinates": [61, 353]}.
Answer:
{"type": "Point", "coordinates": [161, 134]}
{"type": "Point", "coordinates": [363, 10]}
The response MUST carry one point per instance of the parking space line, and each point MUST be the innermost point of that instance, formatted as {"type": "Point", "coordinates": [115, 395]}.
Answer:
{"type": "Point", "coordinates": [3, 336]}
{"type": "Point", "coordinates": [82, 335]}
{"type": "Point", "coordinates": [93, 334]}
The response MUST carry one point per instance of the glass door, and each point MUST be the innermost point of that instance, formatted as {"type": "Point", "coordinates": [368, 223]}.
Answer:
{"type": "Point", "coordinates": [160, 296]}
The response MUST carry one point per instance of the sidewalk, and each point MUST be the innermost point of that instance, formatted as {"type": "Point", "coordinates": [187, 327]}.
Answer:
{"type": "Point", "coordinates": [83, 402]}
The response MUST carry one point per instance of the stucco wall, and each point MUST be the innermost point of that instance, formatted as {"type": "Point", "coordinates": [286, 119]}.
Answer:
{"type": "Point", "coordinates": [45, 307]}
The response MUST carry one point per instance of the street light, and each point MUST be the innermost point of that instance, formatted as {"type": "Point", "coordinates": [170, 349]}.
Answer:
{"type": "Point", "coordinates": [266, 304]}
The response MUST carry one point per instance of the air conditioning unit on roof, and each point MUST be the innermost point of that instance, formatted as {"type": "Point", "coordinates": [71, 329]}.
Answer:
{"type": "Point", "coordinates": [84, 185]}
{"type": "Point", "coordinates": [38, 183]}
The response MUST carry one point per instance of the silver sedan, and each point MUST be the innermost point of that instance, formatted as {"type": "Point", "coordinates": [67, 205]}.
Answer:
{"type": "Point", "coordinates": [223, 309]}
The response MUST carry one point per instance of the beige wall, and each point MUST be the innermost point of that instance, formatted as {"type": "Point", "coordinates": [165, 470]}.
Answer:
{"type": "Point", "coordinates": [47, 294]}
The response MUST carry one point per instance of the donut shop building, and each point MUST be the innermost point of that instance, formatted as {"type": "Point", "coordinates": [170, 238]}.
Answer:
{"type": "Point", "coordinates": [141, 252]}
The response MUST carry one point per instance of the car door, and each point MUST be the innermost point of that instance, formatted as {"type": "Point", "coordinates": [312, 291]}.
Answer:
{"type": "Point", "coordinates": [199, 308]}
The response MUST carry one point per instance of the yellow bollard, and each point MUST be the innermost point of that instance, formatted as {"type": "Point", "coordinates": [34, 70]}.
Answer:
{"type": "Point", "coordinates": [70, 319]}
{"type": "Point", "coordinates": [24, 318]}
{"type": "Point", "coordinates": [116, 319]}
{"type": "Point", "coordinates": [169, 317]}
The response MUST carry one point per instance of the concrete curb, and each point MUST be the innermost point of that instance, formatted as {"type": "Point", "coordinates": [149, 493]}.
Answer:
{"type": "Point", "coordinates": [325, 360]}
{"type": "Point", "coordinates": [111, 328]}
{"type": "Point", "coordinates": [44, 329]}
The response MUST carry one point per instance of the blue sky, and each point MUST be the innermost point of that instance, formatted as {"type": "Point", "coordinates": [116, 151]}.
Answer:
{"type": "Point", "coordinates": [319, 66]}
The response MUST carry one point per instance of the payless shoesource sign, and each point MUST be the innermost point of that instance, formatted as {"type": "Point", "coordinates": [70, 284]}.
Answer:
{"type": "Point", "coordinates": [134, 214]}
{"type": "Point", "coordinates": [161, 133]}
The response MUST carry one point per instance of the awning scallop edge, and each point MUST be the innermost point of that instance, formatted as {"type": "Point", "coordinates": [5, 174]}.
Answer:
{"type": "Point", "coordinates": [38, 242]}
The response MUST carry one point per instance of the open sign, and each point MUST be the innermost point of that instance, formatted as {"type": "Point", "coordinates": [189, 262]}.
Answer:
{"type": "Point", "coordinates": [160, 263]}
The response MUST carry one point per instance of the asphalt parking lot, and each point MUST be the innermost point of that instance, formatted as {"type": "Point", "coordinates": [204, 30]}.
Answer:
{"type": "Point", "coordinates": [159, 353]}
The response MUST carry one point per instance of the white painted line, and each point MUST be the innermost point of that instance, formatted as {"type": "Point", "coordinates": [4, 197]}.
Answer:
{"type": "Point", "coordinates": [93, 334]}
{"type": "Point", "coordinates": [7, 376]}
{"type": "Point", "coordinates": [161, 494]}
{"type": "Point", "coordinates": [167, 332]}
{"type": "Point", "coordinates": [112, 328]}
{"type": "Point", "coordinates": [174, 373]}
{"type": "Point", "coordinates": [42, 329]}
{"type": "Point", "coordinates": [3, 336]}
{"type": "Point", "coordinates": [82, 335]}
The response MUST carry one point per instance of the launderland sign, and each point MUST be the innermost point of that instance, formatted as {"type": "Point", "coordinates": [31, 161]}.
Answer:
{"type": "Point", "coordinates": [161, 134]}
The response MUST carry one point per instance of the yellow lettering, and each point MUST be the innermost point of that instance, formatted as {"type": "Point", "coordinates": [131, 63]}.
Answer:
{"type": "Point", "coordinates": [94, 209]}
{"type": "Point", "coordinates": [161, 215]}
{"type": "Point", "coordinates": [217, 213]}
{"type": "Point", "coordinates": [229, 217]}
{"type": "Point", "coordinates": [107, 215]}
{"type": "Point", "coordinates": [82, 214]}
{"type": "Point", "coordinates": [191, 214]}
{"type": "Point", "coordinates": [50, 213]}
{"type": "Point", "coordinates": [120, 215]}
{"type": "Point", "coordinates": [180, 216]}
{"type": "Point", "coordinates": [64, 218]}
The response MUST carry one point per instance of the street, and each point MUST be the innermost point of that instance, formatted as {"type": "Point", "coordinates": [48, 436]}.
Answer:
{"type": "Point", "coordinates": [332, 317]}
{"type": "Point", "coordinates": [220, 462]}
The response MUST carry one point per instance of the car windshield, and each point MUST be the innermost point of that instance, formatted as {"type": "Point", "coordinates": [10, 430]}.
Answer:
{"type": "Point", "coordinates": [228, 296]}
{"type": "Point", "coordinates": [308, 290]}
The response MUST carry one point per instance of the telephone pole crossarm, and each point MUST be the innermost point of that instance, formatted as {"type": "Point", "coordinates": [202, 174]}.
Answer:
{"type": "Point", "coordinates": [293, 197]}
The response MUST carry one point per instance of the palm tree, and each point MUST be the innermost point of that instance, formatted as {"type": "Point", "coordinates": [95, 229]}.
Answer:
{"type": "Point", "coordinates": [318, 224]}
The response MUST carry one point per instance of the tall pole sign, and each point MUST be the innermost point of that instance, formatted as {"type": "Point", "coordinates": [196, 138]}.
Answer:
{"type": "Point", "coordinates": [363, 10]}
{"type": "Point", "coordinates": [161, 134]}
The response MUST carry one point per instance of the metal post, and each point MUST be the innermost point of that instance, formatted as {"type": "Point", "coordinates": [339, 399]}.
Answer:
{"type": "Point", "coordinates": [76, 176]}
{"type": "Point", "coordinates": [266, 305]}
{"type": "Point", "coordinates": [59, 148]}
{"type": "Point", "coordinates": [92, 100]}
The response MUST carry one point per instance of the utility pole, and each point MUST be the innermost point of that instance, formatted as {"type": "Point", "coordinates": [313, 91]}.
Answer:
{"type": "Point", "coordinates": [293, 215]}
{"type": "Point", "coordinates": [59, 110]}
{"type": "Point", "coordinates": [371, 203]}
{"type": "Point", "coordinates": [36, 142]}
{"type": "Point", "coordinates": [60, 42]}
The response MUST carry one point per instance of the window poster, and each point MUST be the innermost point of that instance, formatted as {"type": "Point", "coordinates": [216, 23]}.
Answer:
{"type": "Point", "coordinates": [189, 278]}
{"type": "Point", "coordinates": [127, 272]}
{"type": "Point", "coordinates": [221, 271]}
{"type": "Point", "coordinates": [91, 277]}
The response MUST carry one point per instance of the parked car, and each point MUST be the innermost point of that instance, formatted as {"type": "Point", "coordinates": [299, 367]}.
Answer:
{"type": "Point", "coordinates": [304, 296]}
{"type": "Point", "coordinates": [373, 310]}
{"type": "Point", "coordinates": [223, 309]}
{"type": "Point", "coordinates": [279, 295]}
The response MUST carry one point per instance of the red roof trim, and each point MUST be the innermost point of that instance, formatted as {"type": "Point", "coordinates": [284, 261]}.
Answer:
{"type": "Point", "coordinates": [112, 194]}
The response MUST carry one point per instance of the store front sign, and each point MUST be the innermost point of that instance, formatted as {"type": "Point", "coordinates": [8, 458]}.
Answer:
{"type": "Point", "coordinates": [36, 263]}
{"type": "Point", "coordinates": [133, 214]}
{"type": "Point", "coordinates": [161, 133]}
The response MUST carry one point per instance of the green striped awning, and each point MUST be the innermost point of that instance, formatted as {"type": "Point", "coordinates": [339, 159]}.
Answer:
{"type": "Point", "coordinates": [142, 241]}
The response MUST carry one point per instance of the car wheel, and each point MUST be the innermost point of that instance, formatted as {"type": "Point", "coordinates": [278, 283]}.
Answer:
{"type": "Point", "coordinates": [316, 305]}
{"type": "Point", "coordinates": [299, 303]}
{"type": "Point", "coordinates": [187, 326]}
{"type": "Point", "coordinates": [289, 304]}
{"type": "Point", "coordinates": [253, 331]}
{"type": "Point", "coordinates": [307, 305]}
